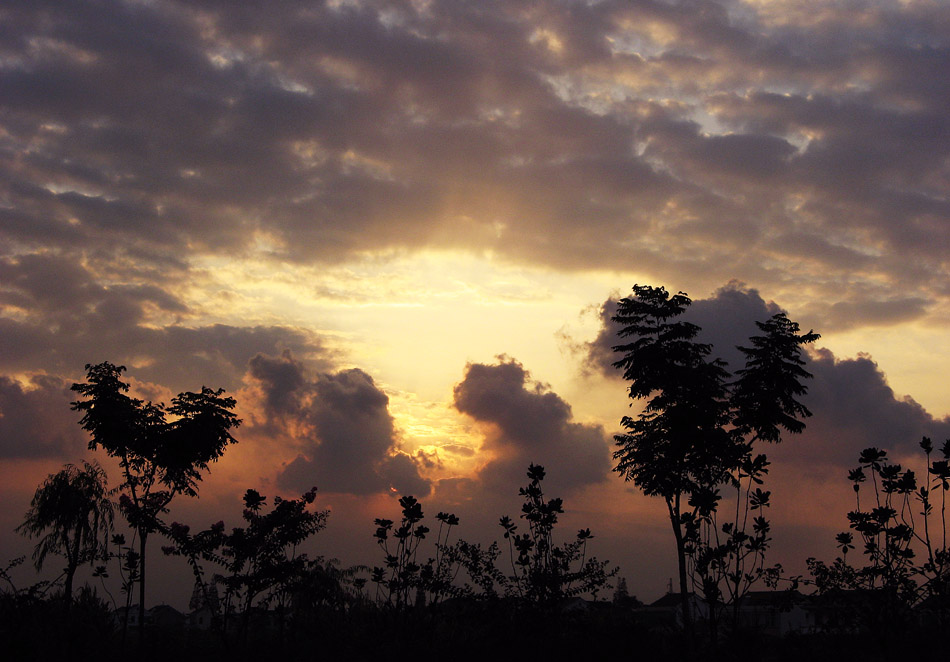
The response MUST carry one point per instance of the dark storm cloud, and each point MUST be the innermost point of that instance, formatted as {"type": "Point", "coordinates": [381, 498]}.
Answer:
{"type": "Point", "coordinates": [852, 405]}
{"type": "Point", "coordinates": [533, 425]}
{"type": "Point", "coordinates": [36, 420]}
{"type": "Point", "coordinates": [341, 426]}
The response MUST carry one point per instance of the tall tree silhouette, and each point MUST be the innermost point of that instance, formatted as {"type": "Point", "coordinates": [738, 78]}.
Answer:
{"type": "Point", "coordinates": [159, 458]}
{"type": "Point", "coordinates": [697, 429]}
{"type": "Point", "coordinates": [72, 516]}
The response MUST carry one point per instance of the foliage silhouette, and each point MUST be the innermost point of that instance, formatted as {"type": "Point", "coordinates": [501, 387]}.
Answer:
{"type": "Point", "coordinates": [260, 562]}
{"type": "Point", "coordinates": [696, 434]}
{"type": "Point", "coordinates": [72, 515]}
{"type": "Point", "coordinates": [622, 597]}
{"type": "Point", "coordinates": [153, 452]}
{"type": "Point", "coordinates": [33, 627]}
{"type": "Point", "coordinates": [892, 581]}
{"type": "Point", "coordinates": [544, 572]}
{"type": "Point", "coordinates": [403, 571]}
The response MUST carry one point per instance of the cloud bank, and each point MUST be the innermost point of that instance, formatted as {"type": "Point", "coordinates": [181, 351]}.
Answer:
{"type": "Point", "coordinates": [799, 144]}
{"type": "Point", "coordinates": [526, 423]}
{"type": "Point", "coordinates": [852, 405]}
{"type": "Point", "coordinates": [339, 424]}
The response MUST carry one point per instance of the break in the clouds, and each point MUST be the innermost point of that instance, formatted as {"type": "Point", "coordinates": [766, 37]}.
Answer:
{"type": "Point", "coordinates": [60, 317]}
{"type": "Point", "coordinates": [803, 144]}
{"type": "Point", "coordinates": [340, 425]}
{"type": "Point", "coordinates": [853, 407]}
{"type": "Point", "coordinates": [527, 423]}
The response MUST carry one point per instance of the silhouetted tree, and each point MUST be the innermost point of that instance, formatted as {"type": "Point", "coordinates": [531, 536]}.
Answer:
{"type": "Point", "coordinates": [159, 458]}
{"type": "Point", "coordinates": [697, 430]}
{"type": "Point", "coordinates": [543, 571]}
{"type": "Point", "coordinates": [622, 597]}
{"type": "Point", "coordinates": [72, 515]}
{"type": "Point", "coordinates": [260, 559]}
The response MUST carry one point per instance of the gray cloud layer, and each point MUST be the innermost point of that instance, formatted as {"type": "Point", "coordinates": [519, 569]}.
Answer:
{"type": "Point", "coordinates": [60, 318]}
{"type": "Point", "coordinates": [771, 142]}
{"type": "Point", "coordinates": [36, 421]}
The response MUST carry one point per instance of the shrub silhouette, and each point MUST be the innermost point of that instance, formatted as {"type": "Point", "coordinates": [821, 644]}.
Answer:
{"type": "Point", "coordinates": [906, 559]}
{"type": "Point", "coordinates": [260, 563]}
{"type": "Point", "coordinates": [542, 572]}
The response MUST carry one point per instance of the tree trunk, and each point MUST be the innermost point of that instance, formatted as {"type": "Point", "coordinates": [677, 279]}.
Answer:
{"type": "Point", "coordinates": [72, 562]}
{"type": "Point", "coordinates": [673, 508]}
{"type": "Point", "coordinates": [143, 535]}
{"type": "Point", "coordinates": [68, 589]}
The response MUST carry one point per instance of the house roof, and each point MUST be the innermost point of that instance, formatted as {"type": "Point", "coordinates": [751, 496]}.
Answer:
{"type": "Point", "coordinates": [672, 600]}
{"type": "Point", "coordinates": [165, 609]}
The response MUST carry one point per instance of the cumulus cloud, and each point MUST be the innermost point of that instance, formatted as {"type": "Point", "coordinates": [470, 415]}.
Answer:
{"type": "Point", "coordinates": [340, 425]}
{"type": "Point", "coordinates": [852, 404]}
{"type": "Point", "coordinates": [529, 424]}
{"type": "Point", "coordinates": [854, 408]}
{"type": "Point", "coordinates": [726, 319]}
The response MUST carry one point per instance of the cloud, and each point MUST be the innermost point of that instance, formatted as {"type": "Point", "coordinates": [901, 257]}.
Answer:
{"type": "Point", "coordinates": [282, 382]}
{"type": "Point", "coordinates": [529, 424]}
{"type": "Point", "coordinates": [171, 355]}
{"type": "Point", "coordinates": [584, 136]}
{"type": "Point", "coordinates": [340, 425]}
{"type": "Point", "coordinates": [59, 315]}
{"type": "Point", "coordinates": [726, 319]}
{"type": "Point", "coordinates": [843, 315]}
{"type": "Point", "coordinates": [854, 408]}
{"type": "Point", "coordinates": [36, 420]}
{"type": "Point", "coordinates": [852, 404]}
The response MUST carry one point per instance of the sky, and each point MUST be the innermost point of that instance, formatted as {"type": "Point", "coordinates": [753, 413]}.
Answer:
{"type": "Point", "coordinates": [395, 232]}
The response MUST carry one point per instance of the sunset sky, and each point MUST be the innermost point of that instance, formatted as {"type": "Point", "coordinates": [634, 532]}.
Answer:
{"type": "Point", "coordinates": [393, 231]}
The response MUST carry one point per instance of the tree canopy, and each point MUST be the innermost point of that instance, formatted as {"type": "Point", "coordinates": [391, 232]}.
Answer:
{"type": "Point", "coordinates": [71, 514]}
{"type": "Point", "coordinates": [697, 429]}
{"type": "Point", "coordinates": [154, 452]}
